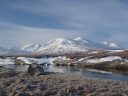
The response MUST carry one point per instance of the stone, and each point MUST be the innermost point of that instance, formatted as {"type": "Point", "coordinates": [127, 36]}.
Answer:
{"type": "Point", "coordinates": [2, 93]}
{"type": "Point", "coordinates": [35, 69]}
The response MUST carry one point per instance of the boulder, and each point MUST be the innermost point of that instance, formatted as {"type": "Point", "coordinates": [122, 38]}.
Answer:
{"type": "Point", "coordinates": [35, 69]}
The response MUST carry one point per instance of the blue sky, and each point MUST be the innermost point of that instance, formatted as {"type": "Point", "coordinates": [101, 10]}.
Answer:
{"type": "Point", "coordinates": [38, 21]}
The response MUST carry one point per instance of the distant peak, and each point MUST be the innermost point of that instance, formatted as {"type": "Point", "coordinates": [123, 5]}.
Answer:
{"type": "Point", "coordinates": [111, 44]}
{"type": "Point", "coordinates": [31, 47]}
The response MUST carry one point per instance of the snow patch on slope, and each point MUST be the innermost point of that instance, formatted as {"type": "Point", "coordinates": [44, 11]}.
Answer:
{"type": "Point", "coordinates": [7, 61]}
{"type": "Point", "coordinates": [99, 71]}
{"type": "Point", "coordinates": [32, 47]}
{"type": "Point", "coordinates": [105, 59]}
{"type": "Point", "coordinates": [37, 60]}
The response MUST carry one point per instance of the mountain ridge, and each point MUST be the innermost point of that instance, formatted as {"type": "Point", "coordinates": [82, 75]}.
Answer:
{"type": "Point", "coordinates": [61, 46]}
{"type": "Point", "coordinates": [67, 45]}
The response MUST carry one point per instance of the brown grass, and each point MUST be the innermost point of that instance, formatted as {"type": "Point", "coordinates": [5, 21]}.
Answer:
{"type": "Point", "coordinates": [123, 54]}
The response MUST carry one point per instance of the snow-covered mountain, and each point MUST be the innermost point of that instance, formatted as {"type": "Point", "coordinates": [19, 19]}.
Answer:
{"type": "Point", "coordinates": [112, 45]}
{"type": "Point", "coordinates": [65, 45]}
{"type": "Point", "coordinates": [3, 50]}
{"type": "Point", "coordinates": [92, 45]}
{"type": "Point", "coordinates": [17, 50]}
{"type": "Point", "coordinates": [12, 51]}
{"type": "Point", "coordinates": [32, 47]}
{"type": "Point", "coordinates": [60, 46]}
{"type": "Point", "coordinates": [25, 50]}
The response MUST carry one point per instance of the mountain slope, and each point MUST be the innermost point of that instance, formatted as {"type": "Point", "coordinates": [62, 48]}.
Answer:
{"type": "Point", "coordinates": [17, 50]}
{"type": "Point", "coordinates": [65, 45]}
{"type": "Point", "coordinates": [93, 45]}
{"type": "Point", "coordinates": [112, 45]}
{"type": "Point", "coordinates": [62, 45]}
{"type": "Point", "coordinates": [12, 51]}
{"type": "Point", "coordinates": [31, 47]}
{"type": "Point", "coordinates": [3, 50]}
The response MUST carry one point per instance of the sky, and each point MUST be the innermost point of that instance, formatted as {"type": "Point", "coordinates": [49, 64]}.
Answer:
{"type": "Point", "coordinates": [39, 21]}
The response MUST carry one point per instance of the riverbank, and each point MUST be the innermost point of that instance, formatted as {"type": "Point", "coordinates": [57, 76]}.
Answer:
{"type": "Point", "coordinates": [14, 83]}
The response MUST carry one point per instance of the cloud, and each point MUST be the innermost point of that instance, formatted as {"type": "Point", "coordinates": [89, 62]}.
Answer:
{"type": "Point", "coordinates": [109, 12]}
{"type": "Point", "coordinates": [12, 34]}
{"type": "Point", "coordinates": [98, 20]}
{"type": "Point", "coordinates": [83, 15]}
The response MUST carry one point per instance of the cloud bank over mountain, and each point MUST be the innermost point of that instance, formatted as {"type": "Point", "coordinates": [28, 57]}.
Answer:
{"type": "Point", "coordinates": [23, 22]}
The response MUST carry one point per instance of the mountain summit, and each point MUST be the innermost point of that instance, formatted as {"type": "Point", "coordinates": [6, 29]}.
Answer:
{"type": "Point", "coordinates": [66, 45]}
{"type": "Point", "coordinates": [61, 46]}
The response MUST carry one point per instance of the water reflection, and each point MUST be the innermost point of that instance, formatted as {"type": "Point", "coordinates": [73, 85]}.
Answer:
{"type": "Point", "coordinates": [22, 68]}
{"type": "Point", "coordinates": [92, 73]}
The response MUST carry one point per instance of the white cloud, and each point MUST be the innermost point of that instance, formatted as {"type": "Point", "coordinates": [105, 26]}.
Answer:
{"type": "Point", "coordinates": [99, 20]}
{"type": "Point", "coordinates": [12, 34]}
{"type": "Point", "coordinates": [108, 12]}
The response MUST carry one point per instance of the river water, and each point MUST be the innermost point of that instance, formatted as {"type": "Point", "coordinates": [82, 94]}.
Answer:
{"type": "Point", "coordinates": [85, 72]}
